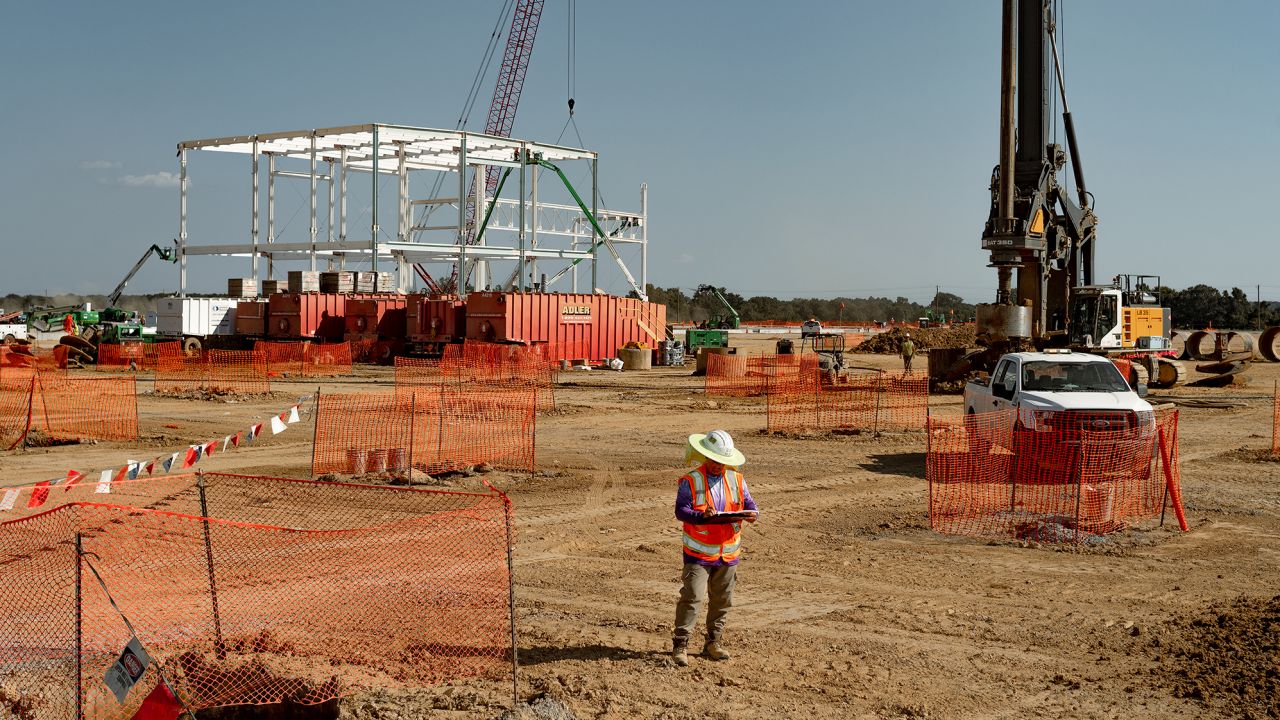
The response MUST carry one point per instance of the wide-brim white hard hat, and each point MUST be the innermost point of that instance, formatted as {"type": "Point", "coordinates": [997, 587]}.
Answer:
{"type": "Point", "coordinates": [717, 445]}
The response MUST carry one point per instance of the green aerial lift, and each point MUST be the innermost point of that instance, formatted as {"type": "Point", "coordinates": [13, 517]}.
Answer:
{"type": "Point", "coordinates": [713, 332]}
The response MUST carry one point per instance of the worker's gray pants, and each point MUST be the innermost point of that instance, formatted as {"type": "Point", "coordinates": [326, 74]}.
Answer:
{"type": "Point", "coordinates": [699, 581]}
{"type": "Point", "coordinates": [906, 363]}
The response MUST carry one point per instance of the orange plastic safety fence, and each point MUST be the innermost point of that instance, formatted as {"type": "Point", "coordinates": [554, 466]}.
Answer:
{"type": "Point", "coordinates": [431, 428]}
{"type": "Point", "coordinates": [136, 355]}
{"type": "Point", "coordinates": [855, 401]}
{"type": "Point", "coordinates": [513, 366]}
{"type": "Point", "coordinates": [306, 359]}
{"type": "Point", "coordinates": [218, 372]}
{"type": "Point", "coordinates": [249, 590]}
{"type": "Point", "coordinates": [64, 408]}
{"type": "Point", "coordinates": [746, 375]}
{"type": "Point", "coordinates": [1063, 476]}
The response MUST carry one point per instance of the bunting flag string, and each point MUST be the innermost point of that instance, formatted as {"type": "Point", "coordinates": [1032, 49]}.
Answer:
{"type": "Point", "coordinates": [164, 464]}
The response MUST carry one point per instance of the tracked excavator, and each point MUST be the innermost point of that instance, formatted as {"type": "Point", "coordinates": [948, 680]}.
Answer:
{"type": "Point", "coordinates": [1041, 240]}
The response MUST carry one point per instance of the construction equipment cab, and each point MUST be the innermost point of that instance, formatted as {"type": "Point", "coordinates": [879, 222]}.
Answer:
{"type": "Point", "coordinates": [810, 328]}
{"type": "Point", "coordinates": [1124, 315]}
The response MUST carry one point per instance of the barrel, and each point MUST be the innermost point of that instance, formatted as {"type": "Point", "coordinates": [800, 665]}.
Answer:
{"type": "Point", "coordinates": [635, 358]}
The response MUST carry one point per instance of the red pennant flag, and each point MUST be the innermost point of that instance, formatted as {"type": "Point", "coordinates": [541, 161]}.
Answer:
{"type": "Point", "coordinates": [39, 494]}
{"type": "Point", "coordinates": [159, 705]}
{"type": "Point", "coordinates": [73, 477]}
{"type": "Point", "coordinates": [193, 454]}
{"type": "Point", "coordinates": [235, 440]}
{"type": "Point", "coordinates": [208, 447]}
{"type": "Point", "coordinates": [151, 466]}
{"type": "Point", "coordinates": [121, 474]}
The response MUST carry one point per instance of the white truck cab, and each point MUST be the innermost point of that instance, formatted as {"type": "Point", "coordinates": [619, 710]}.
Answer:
{"type": "Point", "coordinates": [809, 328]}
{"type": "Point", "coordinates": [1038, 384]}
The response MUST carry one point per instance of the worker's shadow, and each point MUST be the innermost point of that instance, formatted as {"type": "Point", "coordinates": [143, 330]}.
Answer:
{"type": "Point", "coordinates": [910, 464]}
{"type": "Point", "coordinates": [548, 654]}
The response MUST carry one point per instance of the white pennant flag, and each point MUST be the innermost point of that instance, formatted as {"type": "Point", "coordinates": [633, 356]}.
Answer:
{"type": "Point", "coordinates": [293, 415]}
{"type": "Point", "coordinates": [225, 442]}
{"type": "Point", "coordinates": [10, 497]}
{"type": "Point", "coordinates": [277, 425]}
{"type": "Point", "coordinates": [104, 481]}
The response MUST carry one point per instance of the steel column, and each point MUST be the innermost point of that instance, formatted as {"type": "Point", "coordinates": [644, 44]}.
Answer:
{"type": "Point", "coordinates": [373, 180]}
{"type": "Point", "coordinates": [482, 266]}
{"type": "Point", "coordinates": [253, 228]}
{"type": "Point", "coordinates": [271, 212]}
{"type": "Point", "coordinates": [182, 222]}
{"type": "Point", "coordinates": [524, 155]}
{"type": "Point", "coordinates": [312, 179]}
{"type": "Point", "coordinates": [533, 228]}
{"type": "Point", "coordinates": [644, 236]}
{"type": "Point", "coordinates": [461, 267]}
{"type": "Point", "coordinates": [329, 220]}
{"type": "Point", "coordinates": [595, 212]}
{"type": "Point", "coordinates": [342, 206]}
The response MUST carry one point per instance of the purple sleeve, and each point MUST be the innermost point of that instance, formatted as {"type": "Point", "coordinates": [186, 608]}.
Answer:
{"type": "Point", "coordinates": [684, 504]}
{"type": "Point", "coordinates": [748, 502]}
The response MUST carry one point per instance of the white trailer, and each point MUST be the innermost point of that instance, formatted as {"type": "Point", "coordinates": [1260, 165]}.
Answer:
{"type": "Point", "coordinates": [195, 321]}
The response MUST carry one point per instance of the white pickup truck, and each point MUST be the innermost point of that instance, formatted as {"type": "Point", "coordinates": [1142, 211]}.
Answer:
{"type": "Point", "coordinates": [1043, 386]}
{"type": "Point", "coordinates": [10, 332]}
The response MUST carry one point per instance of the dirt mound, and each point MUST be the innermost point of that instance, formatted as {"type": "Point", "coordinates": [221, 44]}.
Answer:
{"type": "Point", "coordinates": [891, 342]}
{"type": "Point", "coordinates": [1225, 658]}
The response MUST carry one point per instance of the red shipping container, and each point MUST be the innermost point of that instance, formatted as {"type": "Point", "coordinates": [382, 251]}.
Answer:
{"type": "Point", "coordinates": [312, 315]}
{"type": "Point", "coordinates": [382, 317]}
{"type": "Point", "coordinates": [574, 324]}
{"type": "Point", "coordinates": [435, 320]}
{"type": "Point", "coordinates": [251, 318]}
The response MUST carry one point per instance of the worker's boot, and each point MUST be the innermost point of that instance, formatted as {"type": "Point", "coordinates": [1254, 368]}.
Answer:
{"type": "Point", "coordinates": [680, 651]}
{"type": "Point", "coordinates": [714, 650]}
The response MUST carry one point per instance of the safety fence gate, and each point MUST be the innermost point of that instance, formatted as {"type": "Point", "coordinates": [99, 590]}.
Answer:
{"type": "Point", "coordinates": [1065, 476]}
{"type": "Point", "coordinates": [248, 590]}
{"type": "Point", "coordinates": [63, 408]}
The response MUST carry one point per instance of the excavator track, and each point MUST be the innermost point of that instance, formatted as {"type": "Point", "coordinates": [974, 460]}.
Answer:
{"type": "Point", "coordinates": [1169, 373]}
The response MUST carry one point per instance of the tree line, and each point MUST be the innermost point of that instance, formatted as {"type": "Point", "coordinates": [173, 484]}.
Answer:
{"type": "Point", "coordinates": [1195, 307]}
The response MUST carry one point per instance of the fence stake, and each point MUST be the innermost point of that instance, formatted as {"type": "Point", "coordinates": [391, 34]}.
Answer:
{"type": "Point", "coordinates": [315, 431]}
{"type": "Point", "coordinates": [511, 590]}
{"type": "Point", "coordinates": [413, 425]}
{"type": "Point", "coordinates": [440, 425]}
{"type": "Point", "coordinates": [79, 628]}
{"type": "Point", "coordinates": [219, 647]}
{"type": "Point", "coordinates": [136, 415]}
{"type": "Point", "coordinates": [1079, 487]}
{"type": "Point", "coordinates": [875, 427]}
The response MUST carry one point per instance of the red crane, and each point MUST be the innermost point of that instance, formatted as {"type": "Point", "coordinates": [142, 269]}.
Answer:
{"type": "Point", "coordinates": [502, 110]}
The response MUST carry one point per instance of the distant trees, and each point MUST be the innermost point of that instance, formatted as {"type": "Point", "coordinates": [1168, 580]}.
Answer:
{"type": "Point", "coordinates": [1194, 307]}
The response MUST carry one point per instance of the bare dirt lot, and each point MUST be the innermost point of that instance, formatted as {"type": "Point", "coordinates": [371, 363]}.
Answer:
{"type": "Point", "coordinates": [848, 606]}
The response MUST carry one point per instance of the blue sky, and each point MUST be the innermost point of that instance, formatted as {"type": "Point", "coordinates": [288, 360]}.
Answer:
{"type": "Point", "coordinates": [791, 149]}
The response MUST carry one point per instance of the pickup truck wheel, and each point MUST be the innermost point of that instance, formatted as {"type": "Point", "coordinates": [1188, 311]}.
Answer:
{"type": "Point", "coordinates": [191, 346]}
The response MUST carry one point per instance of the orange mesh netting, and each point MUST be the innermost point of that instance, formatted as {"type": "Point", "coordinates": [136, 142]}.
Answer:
{"type": "Point", "coordinates": [431, 428]}
{"type": "Point", "coordinates": [509, 366]}
{"type": "Point", "coordinates": [64, 408]}
{"type": "Point", "coordinates": [250, 591]}
{"type": "Point", "coordinates": [871, 401]}
{"type": "Point", "coordinates": [305, 358]}
{"type": "Point", "coordinates": [1072, 476]}
{"type": "Point", "coordinates": [746, 375]}
{"type": "Point", "coordinates": [136, 355]}
{"type": "Point", "coordinates": [220, 372]}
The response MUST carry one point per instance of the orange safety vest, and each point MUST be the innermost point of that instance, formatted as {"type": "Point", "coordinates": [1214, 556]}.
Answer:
{"type": "Point", "coordinates": [720, 541]}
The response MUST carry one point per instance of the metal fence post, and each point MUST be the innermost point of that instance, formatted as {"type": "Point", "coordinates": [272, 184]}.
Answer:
{"type": "Point", "coordinates": [219, 647]}
{"type": "Point", "coordinates": [79, 627]}
{"type": "Point", "coordinates": [511, 600]}
{"type": "Point", "coordinates": [413, 426]}
{"type": "Point", "coordinates": [875, 426]}
{"type": "Point", "coordinates": [315, 431]}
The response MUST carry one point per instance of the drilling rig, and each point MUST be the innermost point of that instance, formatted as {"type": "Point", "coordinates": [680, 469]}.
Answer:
{"type": "Point", "coordinates": [1041, 240]}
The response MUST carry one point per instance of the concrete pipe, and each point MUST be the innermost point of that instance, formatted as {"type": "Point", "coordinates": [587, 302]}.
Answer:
{"type": "Point", "coordinates": [1196, 341]}
{"type": "Point", "coordinates": [1178, 343]}
{"type": "Point", "coordinates": [1269, 344]}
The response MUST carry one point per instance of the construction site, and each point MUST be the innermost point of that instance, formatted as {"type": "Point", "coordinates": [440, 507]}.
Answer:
{"type": "Point", "coordinates": [423, 463]}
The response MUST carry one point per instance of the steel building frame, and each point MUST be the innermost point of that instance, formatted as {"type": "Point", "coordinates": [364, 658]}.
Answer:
{"type": "Point", "coordinates": [398, 150]}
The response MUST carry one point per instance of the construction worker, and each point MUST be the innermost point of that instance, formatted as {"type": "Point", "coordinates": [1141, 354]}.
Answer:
{"type": "Point", "coordinates": [69, 325]}
{"type": "Point", "coordinates": [705, 499]}
{"type": "Point", "coordinates": [908, 352]}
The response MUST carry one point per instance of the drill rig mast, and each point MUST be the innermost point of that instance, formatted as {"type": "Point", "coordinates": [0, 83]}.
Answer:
{"type": "Point", "coordinates": [1041, 241]}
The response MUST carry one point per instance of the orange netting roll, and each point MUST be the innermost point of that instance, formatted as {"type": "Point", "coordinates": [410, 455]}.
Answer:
{"type": "Point", "coordinates": [250, 590]}
{"type": "Point", "coordinates": [1065, 476]}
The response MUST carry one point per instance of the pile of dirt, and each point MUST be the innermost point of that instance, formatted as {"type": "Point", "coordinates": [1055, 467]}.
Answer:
{"type": "Point", "coordinates": [890, 342]}
{"type": "Point", "coordinates": [1225, 658]}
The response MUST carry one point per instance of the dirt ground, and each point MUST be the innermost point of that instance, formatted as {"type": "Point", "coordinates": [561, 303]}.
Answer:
{"type": "Point", "coordinates": [847, 605]}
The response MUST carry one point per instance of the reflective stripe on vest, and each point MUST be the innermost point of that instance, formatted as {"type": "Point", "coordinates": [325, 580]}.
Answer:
{"type": "Point", "coordinates": [718, 541]}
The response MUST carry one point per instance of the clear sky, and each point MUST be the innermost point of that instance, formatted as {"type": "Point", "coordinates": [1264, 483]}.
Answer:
{"type": "Point", "coordinates": [791, 148]}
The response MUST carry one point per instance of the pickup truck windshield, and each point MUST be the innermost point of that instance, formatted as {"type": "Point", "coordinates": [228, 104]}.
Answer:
{"type": "Point", "coordinates": [1047, 376]}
